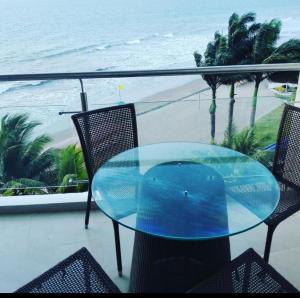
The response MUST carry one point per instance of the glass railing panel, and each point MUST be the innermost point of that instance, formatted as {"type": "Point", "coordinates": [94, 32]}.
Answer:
{"type": "Point", "coordinates": [168, 109]}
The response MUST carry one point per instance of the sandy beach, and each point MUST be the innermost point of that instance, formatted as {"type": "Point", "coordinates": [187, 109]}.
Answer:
{"type": "Point", "coordinates": [181, 113]}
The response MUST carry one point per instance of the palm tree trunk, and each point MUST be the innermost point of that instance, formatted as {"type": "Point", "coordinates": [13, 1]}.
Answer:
{"type": "Point", "coordinates": [293, 96]}
{"type": "Point", "coordinates": [230, 115]}
{"type": "Point", "coordinates": [254, 103]}
{"type": "Point", "coordinates": [212, 111]}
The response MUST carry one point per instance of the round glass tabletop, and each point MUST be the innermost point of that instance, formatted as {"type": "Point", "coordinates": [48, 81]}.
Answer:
{"type": "Point", "coordinates": [185, 191]}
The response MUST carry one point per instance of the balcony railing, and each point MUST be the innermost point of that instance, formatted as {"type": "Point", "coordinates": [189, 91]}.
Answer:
{"type": "Point", "coordinates": [231, 69]}
{"type": "Point", "coordinates": [184, 109]}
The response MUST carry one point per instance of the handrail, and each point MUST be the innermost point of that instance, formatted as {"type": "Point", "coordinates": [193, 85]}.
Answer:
{"type": "Point", "coordinates": [255, 68]}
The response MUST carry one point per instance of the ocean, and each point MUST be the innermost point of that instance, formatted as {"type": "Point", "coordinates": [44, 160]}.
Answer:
{"type": "Point", "coordinates": [39, 36]}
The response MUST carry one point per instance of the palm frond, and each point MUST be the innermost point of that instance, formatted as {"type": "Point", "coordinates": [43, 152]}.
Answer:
{"type": "Point", "coordinates": [245, 142]}
{"type": "Point", "coordinates": [42, 163]}
{"type": "Point", "coordinates": [70, 161]}
{"type": "Point", "coordinates": [23, 187]}
{"type": "Point", "coordinates": [66, 186]}
{"type": "Point", "coordinates": [288, 52]}
{"type": "Point", "coordinates": [198, 59]}
{"type": "Point", "coordinates": [33, 149]}
{"type": "Point", "coordinates": [265, 40]}
{"type": "Point", "coordinates": [19, 153]}
{"type": "Point", "coordinates": [248, 17]}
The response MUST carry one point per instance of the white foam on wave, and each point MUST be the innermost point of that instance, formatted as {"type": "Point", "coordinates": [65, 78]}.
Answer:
{"type": "Point", "coordinates": [6, 86]}
{"type": "Point", "coordinates": [135, 41]}
{"type": "Point", "coordinates": [11, 87]}
{"type": "Point", "coordinates": [102, 48]}
{"type": "Point", "coordinates": [130, 42]}
{"type": "Point", "coordinates": [169, 35]}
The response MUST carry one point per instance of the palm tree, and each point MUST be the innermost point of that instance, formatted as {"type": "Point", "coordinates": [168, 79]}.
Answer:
{"type": "Point", "coordinates": [241, 30]}
{"type": "Point", "coordinates": [70, 166]}
{"type": "Point", "coordinates": [212, 57]}
{"type": "Point", "coordinates": [288, 52]}
{"type": "Point", "coordinates": [23, 159]}
{"type": "Point", "coordinates": [263, 48]}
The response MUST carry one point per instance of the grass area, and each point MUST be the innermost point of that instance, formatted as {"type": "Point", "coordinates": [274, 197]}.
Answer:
{"type": "Point", "coordinates": [266, 130]}
{"type": "Point", "coordinates": [267, 127]}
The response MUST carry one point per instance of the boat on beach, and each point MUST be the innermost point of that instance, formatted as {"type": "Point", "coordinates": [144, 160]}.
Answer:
{"type": "Point", "coordinates": [284, 91]}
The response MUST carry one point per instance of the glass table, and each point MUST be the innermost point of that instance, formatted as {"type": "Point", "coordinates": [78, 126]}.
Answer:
{"type": "Point", "coordinates": [183, 200]}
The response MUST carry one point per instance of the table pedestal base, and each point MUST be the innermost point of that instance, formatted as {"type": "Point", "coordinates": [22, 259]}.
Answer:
{"type": "Point", "coordinates": [163, 265]}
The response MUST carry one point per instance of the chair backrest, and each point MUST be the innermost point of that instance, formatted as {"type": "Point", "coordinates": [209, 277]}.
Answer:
{"type": "Point", "coordinates": [286, 166]}
{"type": "Point", "coordinates": [104, 133]}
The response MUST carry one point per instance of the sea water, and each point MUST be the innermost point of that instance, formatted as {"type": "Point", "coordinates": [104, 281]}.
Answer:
{"type": "Point", "coordinates": [41, 36]}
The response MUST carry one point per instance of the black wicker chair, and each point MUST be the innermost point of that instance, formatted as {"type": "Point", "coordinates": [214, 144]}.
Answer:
{"type": "Point", "coordinates": [286, 169]}
{"type": "Point", "coordinates": [79, 273]}
{"type": "Point", "coordinates": [248, 273]}
{"type": "Point", "coordinates": [104, 133]}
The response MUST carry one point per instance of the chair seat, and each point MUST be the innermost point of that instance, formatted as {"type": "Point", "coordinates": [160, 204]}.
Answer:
{"type": "Point", "coordinates": [79, 273]}
{"type": "Point", "coordinates": [248, 273]}
{"type": "Point", "coordinates": [289, 204]}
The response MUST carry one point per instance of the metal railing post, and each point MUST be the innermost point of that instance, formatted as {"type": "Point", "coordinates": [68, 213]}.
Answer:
{"type": "Point", "coordinates": [84, 108]}
{"type": "Point", "coordinates": [83, 97]}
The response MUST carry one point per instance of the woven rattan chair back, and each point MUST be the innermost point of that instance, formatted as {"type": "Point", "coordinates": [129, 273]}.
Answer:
{"type": "Point", "coordinates": [79, 273]}
{"type": "Point", "coordinates": [247, 273]}
{"type": "Point", "coordinates": [286, 166]}
{"type": "Point", "coordinates": [104, 133]}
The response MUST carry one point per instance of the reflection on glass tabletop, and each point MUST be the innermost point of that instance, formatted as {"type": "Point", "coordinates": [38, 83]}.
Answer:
{"type": "Point", "coordinates": [185, 191]}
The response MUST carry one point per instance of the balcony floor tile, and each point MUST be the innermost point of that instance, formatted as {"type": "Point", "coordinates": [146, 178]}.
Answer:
{"type": "Point", "coordinates": [32, 243]}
